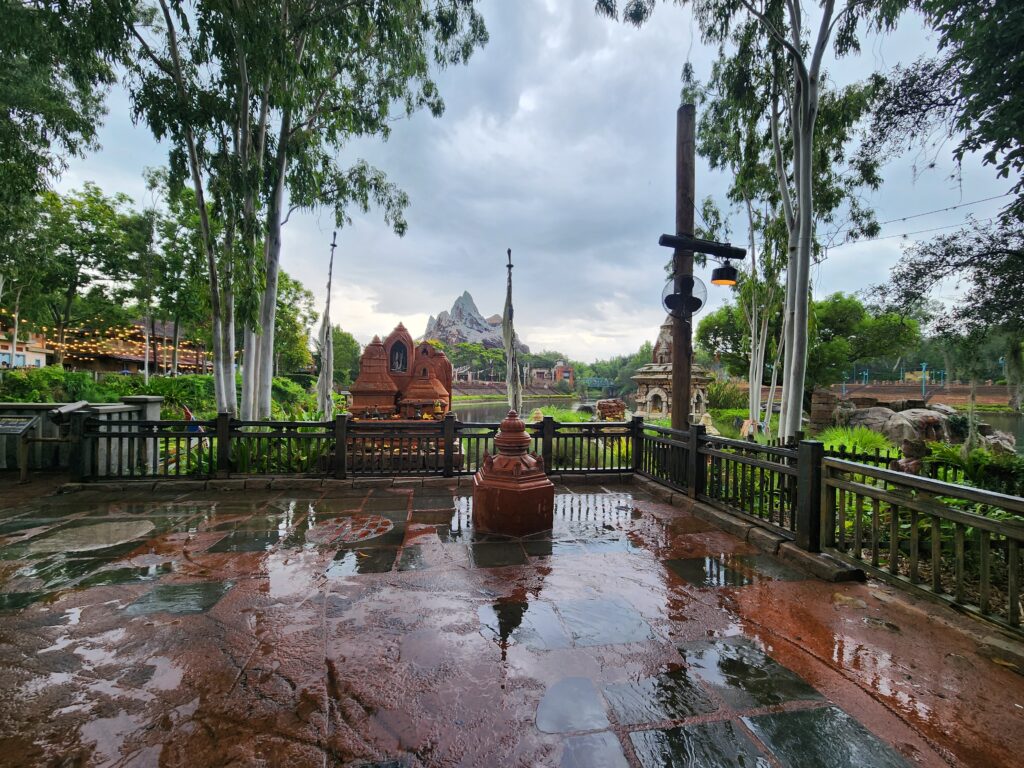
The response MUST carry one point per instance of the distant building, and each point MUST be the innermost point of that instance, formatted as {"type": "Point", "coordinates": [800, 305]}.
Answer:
{"type": "Point", "coordinates": [540, 377]}
{"type": "Point", "coordinates": [124, 350]}
{"type": "Point", "coordinates": [654, 381]}
{"type": "Point", "coordinates": [30, 352]}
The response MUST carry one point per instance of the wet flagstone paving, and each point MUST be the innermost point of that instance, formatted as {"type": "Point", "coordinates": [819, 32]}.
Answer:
{"type": "Point", "coordinates": [373, 627]}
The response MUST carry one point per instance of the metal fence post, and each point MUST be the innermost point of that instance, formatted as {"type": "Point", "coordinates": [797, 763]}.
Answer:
{"type": "Point", "coordinates": [695, 475]}
{"type": "Point", "coordinates": [637, 448]}
{"type": "Point", "coordinates": [547, 442]}
{"type": "Point", "coordinates": [223, 443]}
{"type": "Point", "coordinates": [80, 449]}
{"type": "Point", "coordinates": [449, 444]}
{"type": "Point", "coordinates": [341, 446]}
{"type": "Point", "coordinates": [809, 495]}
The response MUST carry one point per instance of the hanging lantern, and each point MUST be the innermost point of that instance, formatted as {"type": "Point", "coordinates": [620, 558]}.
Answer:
{"type": "Point", "coordinates": [724, 275]}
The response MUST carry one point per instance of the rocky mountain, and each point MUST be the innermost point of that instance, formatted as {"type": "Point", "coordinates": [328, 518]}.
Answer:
{"type": "Point", "coordinates": [463, 322]}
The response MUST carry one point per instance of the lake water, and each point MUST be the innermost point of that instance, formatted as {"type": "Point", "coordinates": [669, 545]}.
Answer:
{"type": "Point", "coordinates": [1007, 422]}
{"type": "Point", "coordinates": [495, 410]}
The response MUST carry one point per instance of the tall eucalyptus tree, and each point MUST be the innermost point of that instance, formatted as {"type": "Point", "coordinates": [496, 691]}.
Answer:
{"type": "Point", "coordinates": [259, 99]}
{"type": "Point", "coordinates": [803, 41]}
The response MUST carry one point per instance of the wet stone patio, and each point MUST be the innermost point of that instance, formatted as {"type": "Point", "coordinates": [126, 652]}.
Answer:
{"type": "Point", "coordinates": [372, 627]}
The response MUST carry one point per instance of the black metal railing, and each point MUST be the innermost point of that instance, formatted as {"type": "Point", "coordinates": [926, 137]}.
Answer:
{"type": "Point", "coordinates": [340, 448]}
{"type": "Point", "coordinates": [751, 479]}
{"type": "Point", "coordinates": [957, 543]}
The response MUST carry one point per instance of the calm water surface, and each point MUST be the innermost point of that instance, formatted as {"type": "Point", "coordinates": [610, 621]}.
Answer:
{"type": "Point", "coordinates": [495, 410]}
{"type": "Point", "coordinates": [1008, 422]}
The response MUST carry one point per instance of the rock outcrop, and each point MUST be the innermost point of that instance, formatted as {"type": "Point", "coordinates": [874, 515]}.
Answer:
{"type": "Point", "coordinates": [464, 323]}
{"type": "Point", "coordinates": [894, 426]}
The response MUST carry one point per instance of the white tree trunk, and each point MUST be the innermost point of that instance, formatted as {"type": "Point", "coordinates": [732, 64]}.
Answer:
{"type": "Point", "coordinates": [145, 351]}
{"type": "Point", "coordinates": [268, 304]}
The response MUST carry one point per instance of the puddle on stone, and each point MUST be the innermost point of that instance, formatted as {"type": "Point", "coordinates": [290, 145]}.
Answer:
{"type": "Point", "coordinates": [603, 622]}
{"type": "Point", "coordinates": [771, 567]}
{"type": "Point", "coordinates": [669, 696]}
{"type": "Point", "coordinates": [15, 601]}
{"type": "Point", "coordinates": [743, 674]}
{"type": "Point", "coordinates": [593, 750]}
{"type": "Point", "coordinates": [247, 541]}
{"type": "Point", "coordinates": [412, 559]}
{"type": "Point", "coordinates": [533, 624]}
{"type": "Point", "coordinates": [58, 571]}
{"type": "Point", "coordinates": [128, 575]}
{"type": "Point", "coordinates": [825, 736]}
{"type": "Point", "coordinates": [180, 598]}
{"type": "Point", "coordinates": [421, 503]}
{"type": "Point", "coordinates": [496, 554]}
{"type": "Point", "coordinates": [712, 571]}
{"type": "Point", "coordinates": [365, 531]}
{"type": "Point", "coordinates": [349, 562]}
{"type": "Point", "coordinates": [711, 745]}
{"type": "Point", "coordinates": [87, 538]}
{"type": "Point", "coordinates": [571, 704]}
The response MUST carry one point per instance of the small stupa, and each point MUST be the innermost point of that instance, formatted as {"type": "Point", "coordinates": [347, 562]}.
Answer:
{"type": "Point", "coordinates": [511, 493]}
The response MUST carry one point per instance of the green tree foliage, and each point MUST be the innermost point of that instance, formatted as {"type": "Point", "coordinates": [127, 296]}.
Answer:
{"type": "Point", "coordinates": [724, 334]}
{"type": "Point", "coordinates": [972, 92]}
{"type": "Point", "coordinates": [54, 67]}
{"type": "Point", "coordinates": [294, 318]}
{"type": "Point", "coordinates": [256, 100]}
{"type": "Point", "coordinates": [843, 331]}
{"type": "Point", "coordinates": [346, 356]}
{"type": "Point", "coordinates": [93, 242]}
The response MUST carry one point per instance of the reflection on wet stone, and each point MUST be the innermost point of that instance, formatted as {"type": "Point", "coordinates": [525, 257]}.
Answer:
{"type": "Point", "coordinates": [669, 696]}
{"type": "Point", "coordinates": [743, 675]}
{"type": "Point", "coordinates": [496, 555]}
{"type": "Point", "coordinates": [533, 624]}
{"type": "Point", "coordinates": [246, 541]}
{"type": "Point", "coordinates": [412, 559]}
{"type": "Point", "coordinates": [352, 561]}
{"type": "Point", "coordinates": [571, 704]}
{"type": "Point", "coordinates": [126, 575]}
{"type": "Point", "coordinates": [711, 571]}
{"type": "Point", "coordinates": [711, 745]}
{"type": "Point", "coordinates": [593, 750]}
{"type": "Point", "coordinates": [825, 736]}
{"type": "Point", "coordinates": [603, 622]}
{"type": "Point", "coordinates": [180, 598]}
{"type": "Point", "coordinates": [91, 537]}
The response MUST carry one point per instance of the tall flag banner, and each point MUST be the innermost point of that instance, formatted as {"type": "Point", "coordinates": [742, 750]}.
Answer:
{"type": "Point", "coordinates": [325, 381]}
{"type": "Point", "coordinates": [513, 376]}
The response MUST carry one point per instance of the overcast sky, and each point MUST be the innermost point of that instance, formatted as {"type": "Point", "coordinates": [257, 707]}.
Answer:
{"type": "Point", "coordinates": [557, 142]}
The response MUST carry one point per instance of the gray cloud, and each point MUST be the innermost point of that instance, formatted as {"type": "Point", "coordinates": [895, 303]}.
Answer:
{"type": "Point", "coordinates": [557, 141]}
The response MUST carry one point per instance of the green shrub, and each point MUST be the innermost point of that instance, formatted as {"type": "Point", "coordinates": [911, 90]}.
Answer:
{"type": "Point", "coordinates": [856, 439]}
{"type": "Point", "coordinates": [999, 472]}
{"type": "Point", "coordinates": [725, 394]}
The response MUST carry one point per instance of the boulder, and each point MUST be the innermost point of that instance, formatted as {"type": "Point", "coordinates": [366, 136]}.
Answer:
{"type": "Point", "coordinates": [894, 426]}
{"type": "Point", "coordinates": [864, 401]}
{"type": "Point", "coordinates": [931, 425]}
{"type": "Point", "coordinates": [844, 409]}
{"type": "Point", "coordinates": [948, 410]}
{"type": "Point", "coordinates": [999, 442]}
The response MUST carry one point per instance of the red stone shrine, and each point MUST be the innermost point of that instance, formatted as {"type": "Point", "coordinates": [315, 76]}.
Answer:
{"type": "Point", "coordinates": [511, 493]}
{"type": "Point", "coordinates": [399, 379]}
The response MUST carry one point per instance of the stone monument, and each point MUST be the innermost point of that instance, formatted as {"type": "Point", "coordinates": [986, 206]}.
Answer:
{"type": "Point", "coordinates": [511, 493]}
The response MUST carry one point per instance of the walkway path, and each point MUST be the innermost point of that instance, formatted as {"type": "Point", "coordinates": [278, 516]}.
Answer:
{"type": "Point", "coordinates": [372, 627]}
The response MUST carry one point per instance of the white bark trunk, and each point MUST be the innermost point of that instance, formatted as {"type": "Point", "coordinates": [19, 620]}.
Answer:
{"type": "Point", "coordinates": [145, 351]}
{"type": "Point", "coordinates": [268, 304]}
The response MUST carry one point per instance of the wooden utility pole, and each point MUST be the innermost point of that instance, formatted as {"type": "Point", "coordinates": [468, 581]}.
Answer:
{"type": "Point", "coordinates": [682, 262]}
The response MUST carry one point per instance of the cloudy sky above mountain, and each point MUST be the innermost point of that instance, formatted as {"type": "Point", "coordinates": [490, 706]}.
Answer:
{"type": "Point", "coordinates": [557, 142]}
